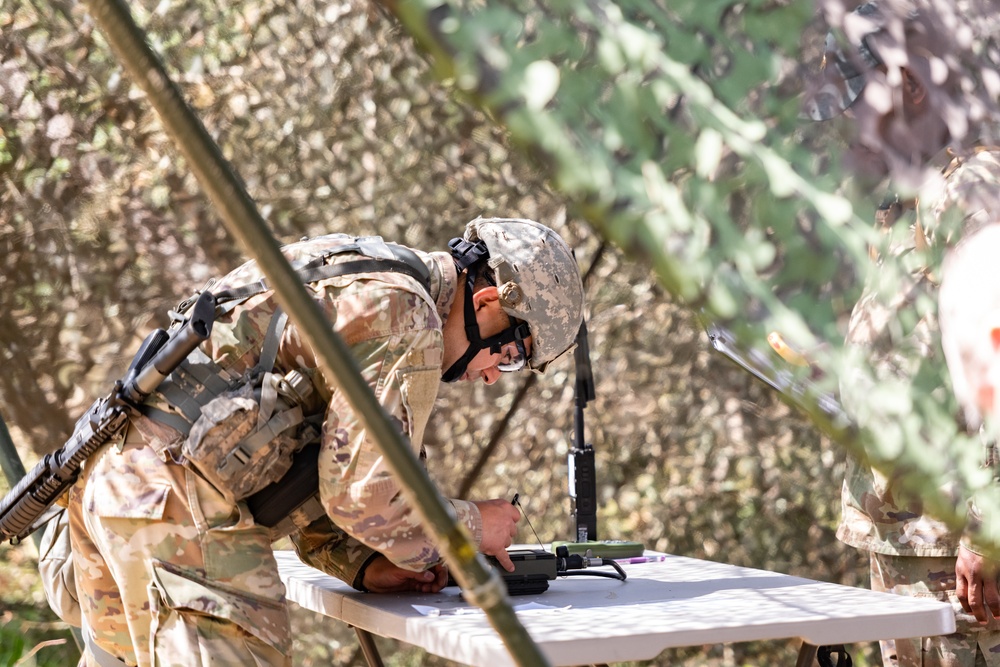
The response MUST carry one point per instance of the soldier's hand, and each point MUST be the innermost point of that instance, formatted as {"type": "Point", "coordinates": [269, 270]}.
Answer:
{"type": "Point", "coordinates": [499, 528]}
{"type": "Point", "coordinates": [383, 576]}
{"type": "Point", "coordinates": [976, 585]}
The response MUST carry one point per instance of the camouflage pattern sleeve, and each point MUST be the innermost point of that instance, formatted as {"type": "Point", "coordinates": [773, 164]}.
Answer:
{"type": "Point", "coordinates": [328, 548]}
{"type": "Point", "coordinates": [974, 516]}
{"type": "Point", "coordinates": [395, 336]}
{"type": "Point", "coordinates": [57, 572]}
{"type": "Point", "coordinates": [468, 515]}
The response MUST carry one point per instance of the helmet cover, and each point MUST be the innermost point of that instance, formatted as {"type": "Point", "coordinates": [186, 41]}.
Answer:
{"type": "Point", "coordinates": [537, 279]}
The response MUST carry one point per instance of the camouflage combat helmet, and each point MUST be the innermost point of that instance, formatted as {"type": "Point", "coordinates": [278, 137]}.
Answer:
{"type": "Point", "coordinates": [538, 283]}
{"type": "Point", "coordinates": [844, 75]}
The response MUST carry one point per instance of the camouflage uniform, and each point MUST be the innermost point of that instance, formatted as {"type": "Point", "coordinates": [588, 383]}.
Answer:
{"type": "Point", "coordinates": [55, 568]}
{"type": "Point", "coordinates": [169, 570]}
{"type": "Point", "coordinates": [913, 553]}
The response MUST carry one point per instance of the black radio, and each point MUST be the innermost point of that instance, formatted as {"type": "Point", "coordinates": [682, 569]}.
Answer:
{"type": "Point", "coordinates": [533, 569]}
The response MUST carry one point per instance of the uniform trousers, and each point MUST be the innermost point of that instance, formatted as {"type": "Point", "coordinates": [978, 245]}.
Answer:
{"type": "Point", "coordinates": [971, 645]}
{"type": "Point", "coordinates": [168, 571]}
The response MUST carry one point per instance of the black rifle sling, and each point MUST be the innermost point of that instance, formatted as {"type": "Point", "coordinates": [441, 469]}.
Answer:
{"type": "Point", "coordinates": [315, 274]}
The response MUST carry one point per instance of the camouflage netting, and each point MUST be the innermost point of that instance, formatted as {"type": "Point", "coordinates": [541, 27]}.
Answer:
{"type": "Point", "coordinates": [670, 128]}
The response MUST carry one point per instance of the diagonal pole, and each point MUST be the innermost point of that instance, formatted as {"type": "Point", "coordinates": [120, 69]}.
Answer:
{"type": "Point", "coordinates": [10, 460]}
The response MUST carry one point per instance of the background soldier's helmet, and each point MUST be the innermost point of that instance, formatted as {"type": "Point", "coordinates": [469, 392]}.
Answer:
{"type": "Point", "coordinates": [538, 280]}
{"type": "Point", "coordinates": [847, 60]}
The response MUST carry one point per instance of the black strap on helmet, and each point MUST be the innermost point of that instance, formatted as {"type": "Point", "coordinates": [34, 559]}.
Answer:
{"type": "Point", "coordinates": [469, 256]}
{"type": "Point", "coordinates": [468, 253]}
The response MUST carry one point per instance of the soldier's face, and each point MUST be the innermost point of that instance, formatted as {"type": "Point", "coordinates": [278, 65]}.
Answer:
{"type": "Point", "coordinates": [483, 366]}
{"type": "Point", "coordinates": [487, 365]}
{"type": "Point", "coordinates": [491, 319]}
{"type": "Point", "coordinates": [893, 126]}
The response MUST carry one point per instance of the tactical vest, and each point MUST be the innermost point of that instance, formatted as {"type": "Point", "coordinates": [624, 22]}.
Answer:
{"type": "Point", "coordinates": [255, 435]}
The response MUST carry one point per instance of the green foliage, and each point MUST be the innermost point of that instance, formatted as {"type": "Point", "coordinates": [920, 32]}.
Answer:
{"type": "Point", "coordinates": [604, 132]}
{"type": "Point", "coordinates": [740, 221]}
{"type": "Point", "coordinates": [34, 640]}
{"type": "Point", "coordinates": [11, 647]}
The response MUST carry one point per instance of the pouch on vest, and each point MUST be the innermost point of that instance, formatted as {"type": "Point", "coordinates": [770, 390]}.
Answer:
{"type": "Point", "coordinates": [245, 438]}
{"type": "Point", "coordinates": [242, 432]}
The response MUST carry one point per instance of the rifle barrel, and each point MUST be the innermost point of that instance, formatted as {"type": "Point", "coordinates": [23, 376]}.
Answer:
{"type": "Point", "coordinates": [192, 334]}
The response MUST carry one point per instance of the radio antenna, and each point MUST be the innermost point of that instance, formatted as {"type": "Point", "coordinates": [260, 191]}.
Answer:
{"type": "Point", "coordinates": [582, 473]}
{"type": "Point", "coordinates": [517, 503]}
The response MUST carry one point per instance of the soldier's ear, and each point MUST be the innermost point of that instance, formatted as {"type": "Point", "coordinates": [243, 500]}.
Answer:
{"type": "Point", "coordinates": [995, 338]}
{"type": "Point", "coordinates": [914, 88]}
{"type": "Point", "coordinates": [483, 297]}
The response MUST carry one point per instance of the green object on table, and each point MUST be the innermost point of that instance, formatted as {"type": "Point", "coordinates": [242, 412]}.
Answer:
{"type": "Point", "coordinates": [603, 548]}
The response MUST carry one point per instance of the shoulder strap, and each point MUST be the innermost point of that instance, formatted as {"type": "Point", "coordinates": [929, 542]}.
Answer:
{"type": "Point", "coordinates": [199, 379]}
{"type": "Point", "coordinates": [382, 257]}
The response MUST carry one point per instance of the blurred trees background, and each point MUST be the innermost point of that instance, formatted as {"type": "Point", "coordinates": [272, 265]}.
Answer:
{"type": "Point", "coordinates": [338, 123]}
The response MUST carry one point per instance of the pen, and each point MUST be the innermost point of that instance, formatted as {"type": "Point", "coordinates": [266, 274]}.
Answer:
{"type": "Point", "coordinates": [641, 559]}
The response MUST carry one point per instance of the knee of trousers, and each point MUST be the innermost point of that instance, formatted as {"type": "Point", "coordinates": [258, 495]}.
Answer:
{"type": "Point", "coordinates": [193, 616]}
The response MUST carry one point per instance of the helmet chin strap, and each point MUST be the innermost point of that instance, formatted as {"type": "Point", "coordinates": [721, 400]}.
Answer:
{"type": "Point", "coordinates": [476, 342]}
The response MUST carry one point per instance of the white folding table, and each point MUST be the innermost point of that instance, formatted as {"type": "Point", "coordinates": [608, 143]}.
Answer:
{"type": "Point", "coordinates": [589, 620]}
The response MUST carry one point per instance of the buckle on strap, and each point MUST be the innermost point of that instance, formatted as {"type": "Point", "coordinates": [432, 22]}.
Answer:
{"type": "Point", "coordinates": [466, 253]}
{"type": "Point", "coordinates": [374, 247]}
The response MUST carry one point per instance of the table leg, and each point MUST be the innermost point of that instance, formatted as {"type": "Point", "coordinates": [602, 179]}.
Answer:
{"type": "Point", "coordinates": [368, 647]}
{"type": "Point", "coordinates": [807, 655]}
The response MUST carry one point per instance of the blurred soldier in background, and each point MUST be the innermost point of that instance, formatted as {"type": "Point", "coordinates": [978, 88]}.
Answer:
{"type": "Point", "coordinates": [969, 310]}
{"type": "Point", "coordinates": [877, 78]}
{"type": "Point", "coordinates": [170, 565]}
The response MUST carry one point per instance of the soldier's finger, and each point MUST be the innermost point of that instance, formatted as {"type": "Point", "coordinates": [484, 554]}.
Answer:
{"type": "Point", "coordinates": [504, 561]}
{"type": "Point", "coordinates": [976, 601]}
{"type": "Point", "coordinates": [442, 577]}
{"type": "Point", "coordinates": [992, 595]}
{"type": "Point", "coordinates": [962, 592]}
